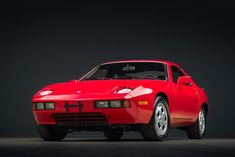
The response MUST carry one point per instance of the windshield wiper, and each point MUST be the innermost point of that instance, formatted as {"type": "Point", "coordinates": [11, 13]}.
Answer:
{"type": "Point", "coordinates": [98, 78]}
{"type": "Point", "coordinates": [128, 77]}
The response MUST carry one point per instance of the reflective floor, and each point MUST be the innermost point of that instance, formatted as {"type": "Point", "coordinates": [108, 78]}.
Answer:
{"type": "Point", "coordinates": [131, 147]}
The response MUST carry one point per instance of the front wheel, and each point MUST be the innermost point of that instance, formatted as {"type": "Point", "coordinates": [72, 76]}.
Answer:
{"type": "Point", "coordinates": [113, 134]}
{"type": "Point", "coordinates": [51, 132]}
{"type": "Point", "coordinates": [198, 129]}
{"type": "Point", "coordinates": [158, 127]}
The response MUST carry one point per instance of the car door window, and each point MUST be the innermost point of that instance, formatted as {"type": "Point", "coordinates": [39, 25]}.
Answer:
{"type": "Point", "coordinates": [176, 73]}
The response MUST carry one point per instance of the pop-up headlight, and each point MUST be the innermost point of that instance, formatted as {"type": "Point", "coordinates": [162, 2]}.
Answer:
{"type": "Point", "coordinates": [124, 90]}
{"type": "Point", "coordinates": [46, 92]}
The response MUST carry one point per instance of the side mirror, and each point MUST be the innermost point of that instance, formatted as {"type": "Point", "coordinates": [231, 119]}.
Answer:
{"type": "Point", "coordinates": [184, 80]}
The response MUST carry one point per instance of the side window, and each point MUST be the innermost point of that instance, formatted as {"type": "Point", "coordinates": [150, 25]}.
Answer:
{"type": "Point", "coordinates": [176, 72]}
{"type": "Point", "coordinates": [101, 73]}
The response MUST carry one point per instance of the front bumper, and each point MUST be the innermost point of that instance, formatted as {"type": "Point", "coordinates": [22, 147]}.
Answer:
{"type": "Point", "coordinates": [87, 115]}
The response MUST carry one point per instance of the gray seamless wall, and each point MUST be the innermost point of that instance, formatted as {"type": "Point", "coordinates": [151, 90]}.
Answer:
{"type": "Point", "coordinates": [43, 43]}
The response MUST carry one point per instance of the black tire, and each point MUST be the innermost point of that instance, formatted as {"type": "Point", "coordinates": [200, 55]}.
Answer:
{"type": "Point", "coordinates": [149, 131]}
{"type": "Point", "coordinates": [113, 134]}
{"type": "Point", "coordinates": [51, 132]}
{"type": "Point", "coordinates": [193, 131]}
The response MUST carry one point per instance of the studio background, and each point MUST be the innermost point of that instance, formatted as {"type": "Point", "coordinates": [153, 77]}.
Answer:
{"type": "Point", "coordinates": [45, 42]}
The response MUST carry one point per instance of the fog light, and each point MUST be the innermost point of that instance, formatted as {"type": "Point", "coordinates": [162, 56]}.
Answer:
{"type": "Point", "coordinates": [102, 104]}
{"type": "Point", "coordinates": [115, 104]}
{"type": "Point", "coordinates": [39, 106]}
{"type": "Point", "coordinates": [50, 105]}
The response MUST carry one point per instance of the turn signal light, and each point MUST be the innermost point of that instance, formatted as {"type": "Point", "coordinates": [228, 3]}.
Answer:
{"type": "Point", "coordinates": [143, 102]}
{"type": "Point", "coordinates": [126, 104]}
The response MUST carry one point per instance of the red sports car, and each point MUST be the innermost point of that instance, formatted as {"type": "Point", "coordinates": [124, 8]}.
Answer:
{"type": "Point", "coordinates": [149, 96]}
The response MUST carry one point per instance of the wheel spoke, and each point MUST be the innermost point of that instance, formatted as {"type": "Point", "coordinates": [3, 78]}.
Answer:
{"type": "Point", "coordinates": [157, 119]}
{"type": "Point", "coordinates": [161, 119]}
{"type": "Point", "coordinates": [164, 123]}
{"type": "Point", "coordinates": [201, 122]}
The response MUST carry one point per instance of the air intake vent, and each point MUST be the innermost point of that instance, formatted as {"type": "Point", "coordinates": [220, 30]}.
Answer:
{"type": "Point", "coordinates": [79, 118]}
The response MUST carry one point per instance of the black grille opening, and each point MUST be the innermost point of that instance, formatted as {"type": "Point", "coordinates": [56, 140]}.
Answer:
{"type": "Point", "coordinates": [79, 118]}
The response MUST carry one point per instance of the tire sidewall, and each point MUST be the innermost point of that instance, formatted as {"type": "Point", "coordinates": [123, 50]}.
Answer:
{"type": "Point", "coordinates": [51, 132]}
{"type": "Point", "coordinates": [113, 134]}
{"type": "Point", "coordinates": [204, 113]}
{"type": "Point", "coordinates": [158, 100]}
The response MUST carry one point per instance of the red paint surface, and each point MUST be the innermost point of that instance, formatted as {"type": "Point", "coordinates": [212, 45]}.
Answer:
{"type": "Point", "coordinates": [184, 101]}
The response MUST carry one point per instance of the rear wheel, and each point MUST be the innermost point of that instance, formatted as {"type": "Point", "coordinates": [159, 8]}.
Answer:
{"type": "Point", "coordinates": [51, 132]}
{"type": "Point", "coordinates": [158, 127]}
{"type": "Point", "coordinates": [198, 129]}
{"type": "Point", "coordinates": [113, 134]}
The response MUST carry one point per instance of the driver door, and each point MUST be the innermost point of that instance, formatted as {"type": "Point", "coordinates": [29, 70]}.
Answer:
{"type": "Point", "coordinates": [185, 97]}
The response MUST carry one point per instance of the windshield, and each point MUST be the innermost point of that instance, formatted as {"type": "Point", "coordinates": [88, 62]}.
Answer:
{"type": "Point", "coordinates": [128, 70]}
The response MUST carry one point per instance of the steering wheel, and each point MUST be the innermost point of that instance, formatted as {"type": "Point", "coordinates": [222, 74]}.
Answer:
{"type": "Point", "coordinates": [149, 76]}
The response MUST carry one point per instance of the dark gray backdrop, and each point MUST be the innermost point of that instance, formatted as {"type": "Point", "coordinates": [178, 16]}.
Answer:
{"type": "Point", "coordinates": [46, 42]}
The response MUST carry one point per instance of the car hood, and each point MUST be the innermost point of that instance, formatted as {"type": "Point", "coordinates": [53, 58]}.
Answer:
{"type": "Point", "coordinates": [95, 88]}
